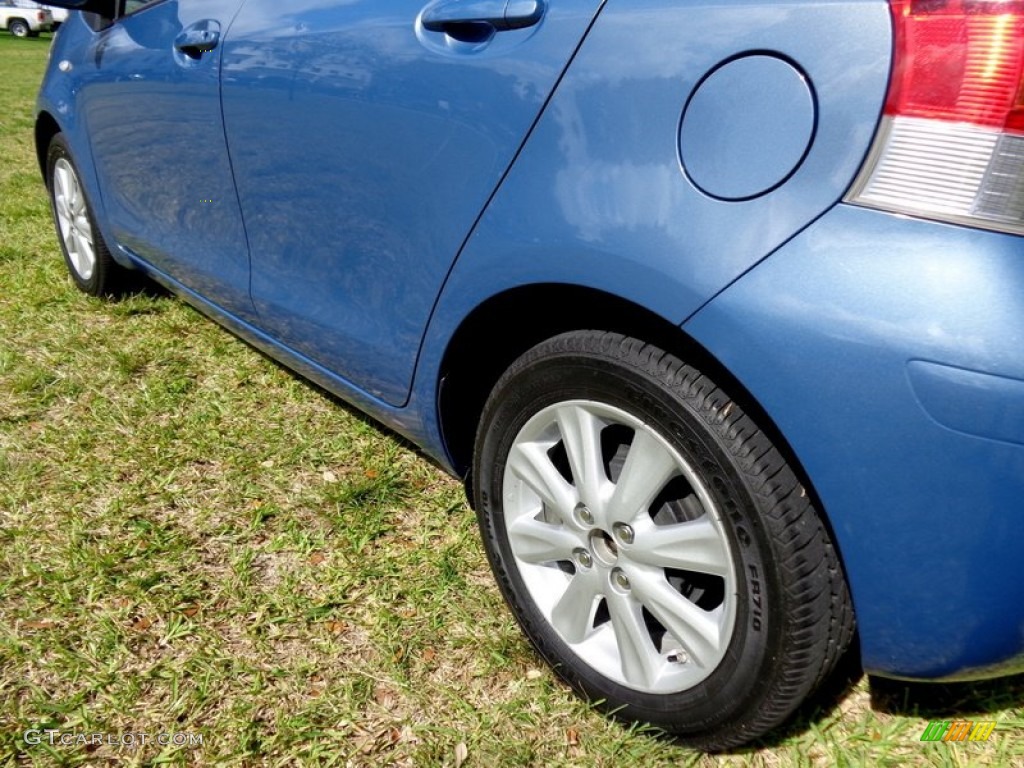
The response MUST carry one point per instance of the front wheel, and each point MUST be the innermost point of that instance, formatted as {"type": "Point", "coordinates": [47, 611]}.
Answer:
{"type": "Point", "coordinates": [653, 544]}
{"type": "Point", "coordinates": [86, 254]}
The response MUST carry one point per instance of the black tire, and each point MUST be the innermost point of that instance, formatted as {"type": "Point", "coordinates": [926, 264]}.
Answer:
{"type": "Point", "coordinates": [98, 275]}
{"type": "Point", "coordinates": [770, 553]}
{"type": "Point", "coordinates": [18, 28]}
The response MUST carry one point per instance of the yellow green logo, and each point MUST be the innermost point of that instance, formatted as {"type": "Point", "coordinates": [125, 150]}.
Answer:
{"type": "Point", "coordinates": [958, 730]}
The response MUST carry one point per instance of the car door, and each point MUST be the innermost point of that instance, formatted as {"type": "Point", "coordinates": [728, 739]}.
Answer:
{"type": "Point", "coordinates": [366, 137]}
{"type": "Point", "coordinates": [151, 102]}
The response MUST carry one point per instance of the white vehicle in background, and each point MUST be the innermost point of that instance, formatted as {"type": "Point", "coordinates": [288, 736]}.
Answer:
{"type": "Point", "coordinates": [60, 15]}
{"type": "Point", "coordinates": [28, 19]}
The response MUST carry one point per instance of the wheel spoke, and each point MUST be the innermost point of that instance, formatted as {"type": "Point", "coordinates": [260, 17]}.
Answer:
{"type": "Point", "coordinates": [693, 546]}
{"type": "Point", "coordinates": [60, 194]}
{"type": "Point", "coordinates": [581, 435]}
{"type": "Point", "coordinates": [648, 467]}
{"type": "Point", "coordinates": [82, 225]}
{"type": "Point", "coordinates": [75, 251]}
{"type": "Point", "coordinates": [61, 202]}
{"type": "Point", "coordinates": [572, 615]}
{"type": "Point", "coordinates": [534, 541]}
{"type": "Point", "coordinates": [82, 258]}
{"type": "Point", "coordinates": [640, 659]}
{"type": "Point", "coordinates": [70, 241]}
{"type": "Point", "coordinates": [695, 630]}
{"type": "Point", "coordinates": [63, 214]}
{"type": "Point", "coordinates": [531, 464]}
{"type": "Point", "coordinates": [61, 177]}
{"type": "Point", "coordinates": [86, 247]}
{"type": "Point", "coordinates": [76, 200]}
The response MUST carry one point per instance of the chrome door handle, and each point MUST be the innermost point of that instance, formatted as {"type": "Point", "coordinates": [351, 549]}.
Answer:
{"type": "Point", "coordinates": [499, 14]}
{"type": "Point", "coordinates": [199, 38]}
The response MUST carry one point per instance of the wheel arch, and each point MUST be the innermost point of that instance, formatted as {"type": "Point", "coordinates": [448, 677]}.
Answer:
{"type": "Point", "coordinates": [46, 128]}
{"type": "Point", "coordinates": [486, 342]}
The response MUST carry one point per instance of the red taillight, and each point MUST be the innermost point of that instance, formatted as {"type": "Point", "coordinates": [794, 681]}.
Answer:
{"type": "Point", "coordinates": [41, 16]}
{"type": "Point", "coordinates": [959, 60]}
{"type": "Point", "coordinates": [951, 144]}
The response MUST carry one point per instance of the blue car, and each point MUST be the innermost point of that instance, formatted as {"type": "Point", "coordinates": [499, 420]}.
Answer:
{"type": "Point", "coordinates": [717, 307]}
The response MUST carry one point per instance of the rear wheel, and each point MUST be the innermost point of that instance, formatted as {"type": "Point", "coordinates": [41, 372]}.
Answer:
{"type": "Point", "coordinates": [86, 254]}
{"type": "Point", "coordinates": [19, 28]}
{"type": "Point", "coordinates": [652, 542]}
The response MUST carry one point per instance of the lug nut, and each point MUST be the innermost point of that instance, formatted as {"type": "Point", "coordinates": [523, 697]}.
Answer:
{"type": "Point", "coordinates": [624, 533]}
{"type": "Point", "coordinates": [585, 515]}
{"type": "Point", "coordinates": [620, 579]}
{"type": "Point", "coordinates": [583, 558]}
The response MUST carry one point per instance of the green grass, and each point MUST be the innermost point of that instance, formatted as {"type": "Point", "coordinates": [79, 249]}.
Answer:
{"type": "Point", "coordinates": [194, 540]}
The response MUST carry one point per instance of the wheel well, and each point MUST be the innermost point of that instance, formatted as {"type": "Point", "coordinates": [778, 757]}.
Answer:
{"type": "Point", "coordinates": [46, 129]}
{"type": "Point", "coordinates": [504, 327]}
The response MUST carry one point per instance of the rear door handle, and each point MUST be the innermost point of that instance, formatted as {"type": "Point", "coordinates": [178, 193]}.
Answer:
{"type": "Point", "coordinates": [500, 14]}
{"type": "Point", "coordinates": [199, 38]}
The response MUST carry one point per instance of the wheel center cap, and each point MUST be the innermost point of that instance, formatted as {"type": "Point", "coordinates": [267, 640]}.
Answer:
{"type": "Point", "coordinates": [604, 548]}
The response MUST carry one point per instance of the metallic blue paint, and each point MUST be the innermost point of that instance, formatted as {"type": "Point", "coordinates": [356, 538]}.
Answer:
{"type": "Point", "coordinates": [392, 179]}
{"type": "Point", "coordinates": [598, 197]}
{"type": "Point", "coordinates": [971, 402]}
{"type": "Point", "coordinates": [153, 119]}
{"type": "Point", "coordinates": [747, 127]}
{"type": "Point", "coordinates": [363, 154]}
{"type": "Point", "coordinates": [927, 519]}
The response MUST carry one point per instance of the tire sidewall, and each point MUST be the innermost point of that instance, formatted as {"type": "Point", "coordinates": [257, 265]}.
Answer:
{"type": "Point", "coordinates": [742, 678]}
{"type": "Point", "coordinates": [19, 28]}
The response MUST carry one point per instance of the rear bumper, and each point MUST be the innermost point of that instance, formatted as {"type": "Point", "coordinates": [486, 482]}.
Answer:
{"type": "Point", "coordinates": [890, 354]}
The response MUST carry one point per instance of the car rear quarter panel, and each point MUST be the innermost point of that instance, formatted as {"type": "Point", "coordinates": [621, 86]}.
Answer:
{"type": "Point", "coordinates": [598, 196]}
{"type": "Point", "coordinates": [888, 351]}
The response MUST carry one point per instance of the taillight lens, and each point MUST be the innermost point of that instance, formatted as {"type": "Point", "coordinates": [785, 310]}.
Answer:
{"type": "Point", "coordinates": [951, 143]}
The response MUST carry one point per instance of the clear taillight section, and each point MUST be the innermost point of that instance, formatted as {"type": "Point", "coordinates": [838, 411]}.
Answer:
{"type": "Point", "coordinates": [951, 143]}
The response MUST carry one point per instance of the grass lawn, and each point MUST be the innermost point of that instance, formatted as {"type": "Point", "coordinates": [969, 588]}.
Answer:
{"type": "Point", "coordinates": [195, 541]}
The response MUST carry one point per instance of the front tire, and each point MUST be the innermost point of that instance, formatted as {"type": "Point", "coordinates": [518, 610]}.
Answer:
{"type": "Point", "coordinates": [653, 544]}
{"type": "Point", "coordinates": [86, 255]}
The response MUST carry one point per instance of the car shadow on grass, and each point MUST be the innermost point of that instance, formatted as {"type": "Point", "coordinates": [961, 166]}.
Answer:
{"type": "Point", "coordinates": [928, 701]}
{"type": "Point", "coordinates": [946, 700]}
{"type": "Point", "coordinates": [820, 705]}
